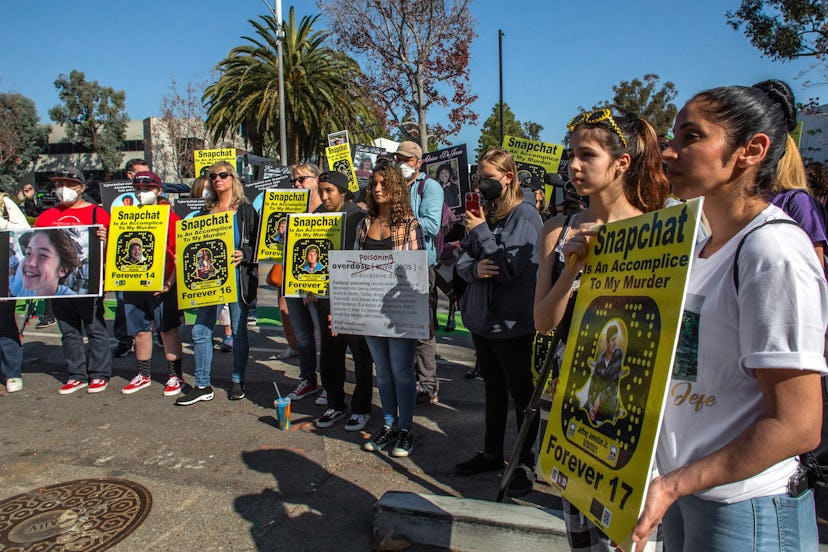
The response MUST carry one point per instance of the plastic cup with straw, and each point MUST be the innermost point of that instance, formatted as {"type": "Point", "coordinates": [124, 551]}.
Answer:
{"type": "Point", "coordinates": [282, 405]}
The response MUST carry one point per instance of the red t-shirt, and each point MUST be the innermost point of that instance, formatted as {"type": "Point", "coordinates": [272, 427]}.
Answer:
{"type": "Point", "coordinates": [66, 216]}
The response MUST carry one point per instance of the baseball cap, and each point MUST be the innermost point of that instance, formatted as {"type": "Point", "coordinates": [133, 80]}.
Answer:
{"type": "Point", "coordinates": [147, 177]}
{"type": "Point", "coordinates": [410, 149]}
{"type": "Point", "coordinates": [69, 173]}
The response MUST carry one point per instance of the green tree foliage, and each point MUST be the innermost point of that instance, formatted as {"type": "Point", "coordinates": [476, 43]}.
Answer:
{"type": "Point", "coordinates": [21, 138]}
{"type": "Point", "coordinates": [784, 29]}
{"type": "Point", "coordinates": [646, 98]}
{"type": "Point", "coordinates": [321, 91]}
{"type": "Point", "coordinates": [92, 115]}
{"type": "Point", "coordinates": [416, 58]}
{"type": "Point", "coordinates": [490, 132]}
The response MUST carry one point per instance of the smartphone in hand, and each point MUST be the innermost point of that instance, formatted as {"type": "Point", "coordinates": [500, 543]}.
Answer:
{"type": "Point", "coordinates": [473, 202]}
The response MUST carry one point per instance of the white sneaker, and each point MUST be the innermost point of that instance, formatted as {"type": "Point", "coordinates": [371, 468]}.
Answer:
{"type": "Point", "coordinates": [322, 399]}
{"type": "Point", "coordinates": [15, 384]}
{"type": "Point", "coordinates": [357, 422]}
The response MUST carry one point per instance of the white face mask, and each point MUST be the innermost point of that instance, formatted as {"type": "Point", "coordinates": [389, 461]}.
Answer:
{"type": "Point", "coordinates": [407, 170]}
{"type": "Point", "coordinates": [205, 193]}
{"type": "Point", "coordinates": [66, 195]}
{"type": "Point", "coordinates": [147, 198]}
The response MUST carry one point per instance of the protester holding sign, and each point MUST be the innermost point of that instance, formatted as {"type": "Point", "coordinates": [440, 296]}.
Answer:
{"type": "Point", "coordinates": [498, 264]}
{"type": "Point", "coordinates": [143, 308]}
{"type": "Point", "coordinates": [616, 161]}
{"type": "Point", "coordinates": [391, 225]}
{"type": "Point", "coordinates": [91, 366]}
{"type": "Point", "coordinates": [227, 195]}
{"type": "Point", "coordinates": [745, 396]}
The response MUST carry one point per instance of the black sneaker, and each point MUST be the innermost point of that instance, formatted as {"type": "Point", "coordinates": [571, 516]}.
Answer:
{"type": "Point", "coordinates": [425, 397]}
{"type": "Point", "coordinates": [381, 440]}
{"type": "Point", "coordinates": [330, 417]}
{"type": "Point", "coordinates": [521, 483]}
{"type": "Point", "coordinates": [404, 445]}
{"type": "Point", "coordinates": [123, 348]}
{"type": "Point", "coordinates": [481, 462]}
{"type": "Point", "coordinates": [45, 322]}
{"type": "Point", "coordinates": [474, 373]}
{"type": "Point", "coordinates": [236, 391]}
{"type": "Point", "coordinates": [195, 395]}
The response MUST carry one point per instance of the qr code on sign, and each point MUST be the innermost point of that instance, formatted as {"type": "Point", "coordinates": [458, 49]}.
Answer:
{"type": "Point", "coordinates": [606, 518]}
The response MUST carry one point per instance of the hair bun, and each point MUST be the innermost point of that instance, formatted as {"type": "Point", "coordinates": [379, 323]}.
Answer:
{"type": "Point", "coordinates": [781, 94]}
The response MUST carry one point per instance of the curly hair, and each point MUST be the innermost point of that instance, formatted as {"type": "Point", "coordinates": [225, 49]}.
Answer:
{"type": "Point", "coordinates": [397, 191]}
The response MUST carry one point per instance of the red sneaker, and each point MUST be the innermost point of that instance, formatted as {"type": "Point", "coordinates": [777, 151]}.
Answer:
{"type": "Point", "coordinates": [173, 387]}
{"type": "Point", "coordinates": [136, 384]}
{"type": "Point", "coordinates": [71, 386]}
{"type": "Point", "coordinates": [97, 385]}
{"type": "Point", "coordinates": [304, 389]}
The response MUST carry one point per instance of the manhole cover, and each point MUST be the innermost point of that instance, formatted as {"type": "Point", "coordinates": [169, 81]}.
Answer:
{"type": "Point", "coordinates": [87, 515]}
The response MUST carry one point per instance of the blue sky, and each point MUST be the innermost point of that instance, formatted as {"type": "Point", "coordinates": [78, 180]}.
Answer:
{"type": "Point", "coordinates": [557, 55]}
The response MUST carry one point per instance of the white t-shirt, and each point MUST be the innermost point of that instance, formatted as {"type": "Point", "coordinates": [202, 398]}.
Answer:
{"type": "Point", "coordinates": [776, 320]}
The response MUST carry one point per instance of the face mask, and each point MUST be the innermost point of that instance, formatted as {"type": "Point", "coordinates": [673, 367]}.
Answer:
{"type": "Point", "coordinates": [407, 170]}
{"type": "Point", "coordinates": [205, 193]}
{"type": "Point", "coordinates": [146, 198]}
{"type": "Point", "coordinates": [66, 195]}
{"type": "Point", "coordinates": [490, 188]}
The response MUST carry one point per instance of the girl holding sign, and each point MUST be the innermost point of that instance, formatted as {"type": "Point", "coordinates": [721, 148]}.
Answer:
{"type": "Point", "coordinates": [227, 194]}
{"type": "Point", "coordinates": [730, 479]}
{"type": "Point", "coordinates": [616, 161]}
{"type": "Point", "coordinates": [390, 224]}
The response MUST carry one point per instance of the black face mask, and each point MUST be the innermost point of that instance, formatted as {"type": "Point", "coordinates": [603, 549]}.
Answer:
{"type": "Point", "coordinates": [490, 188]}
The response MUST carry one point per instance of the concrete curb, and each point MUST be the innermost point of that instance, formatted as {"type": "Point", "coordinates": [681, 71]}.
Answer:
{"type": "Point", "coordinates": [402, 518]}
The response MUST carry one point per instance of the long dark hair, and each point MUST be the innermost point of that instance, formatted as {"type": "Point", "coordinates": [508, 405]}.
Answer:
{"type": "Point", "coordinates": [645, 184]}
{"type": "Point", "coordinates": [767, 107]}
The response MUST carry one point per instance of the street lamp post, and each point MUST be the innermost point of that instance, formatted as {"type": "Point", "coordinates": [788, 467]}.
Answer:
{"type": "Point", "coordinates": [500, 68]}
{"type": "Point", "coordinates": [280, 35]}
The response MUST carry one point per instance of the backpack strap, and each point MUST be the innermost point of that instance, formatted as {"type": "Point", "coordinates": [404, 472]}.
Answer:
{"type": "Point", "coordinates": [742, 242]}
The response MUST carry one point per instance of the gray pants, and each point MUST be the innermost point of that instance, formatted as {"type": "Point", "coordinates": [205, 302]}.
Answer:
{"type": "Point", "coordinates": [425, 359]}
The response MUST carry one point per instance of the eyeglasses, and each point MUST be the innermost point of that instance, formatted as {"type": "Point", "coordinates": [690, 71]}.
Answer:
{"type": "Point", "coordinates": [595, 117]}
{"type": "Point", "coordinates": [144, 180]}
{"type": "Point", "coordinates": [222, 175]}
{"type": "Point", "coordinates": [300, 179]}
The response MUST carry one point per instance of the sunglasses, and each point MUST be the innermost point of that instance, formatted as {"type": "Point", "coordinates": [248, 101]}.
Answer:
{"type": "Point", "coordinates": [222, 175]}
{"type": "Point", "coordinates": [144, 180]}
{"type": "Point", "coordinates": [300, 179]}
{"type": "Point", "coordinates": [596, 117]}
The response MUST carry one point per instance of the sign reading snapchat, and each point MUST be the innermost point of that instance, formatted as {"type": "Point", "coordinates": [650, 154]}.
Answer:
{"type": "Point", "coordinates": [309, 239]}
{"type": "Point", "coordinates": [599, 444]}
{"type": "Point", "coordinates": [203, 270]}
{"type": "Point", "coordinates": [339, 159]}
{"type": "Point", "coordinates": [135, 249]}
{"type": "Point", "coordinates": [534, 156]}
{"type": "Point", "coordinates": [276, 206]}
{"type": "Point", "coordinates": [203, 159]}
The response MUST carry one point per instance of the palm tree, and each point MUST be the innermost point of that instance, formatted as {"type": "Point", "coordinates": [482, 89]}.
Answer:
{"type": "Point", "coordinates": [322, 91]}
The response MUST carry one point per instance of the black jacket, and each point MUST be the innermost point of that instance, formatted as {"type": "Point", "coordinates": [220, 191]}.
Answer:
{"type": "Point", "coordinates": [248, 280]}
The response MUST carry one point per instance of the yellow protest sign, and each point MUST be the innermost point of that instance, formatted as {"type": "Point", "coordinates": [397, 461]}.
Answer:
{"type": "Point", "coordinates": [339, 159]}
{"type": "Point", "coordinates": [276, 206]}
{"type": "Point", "coordinates": [203, 272]}
{"type": "Point", "coordinates": [204, 158]}
{"type": "Point", "coordinates": [599, 444]}
{"type": "Point", "coordinates": [136, 246]}
{"type": "Point", "coordinates": [534, 156]}
{"type": "Point", "coordinates": [309, 239]}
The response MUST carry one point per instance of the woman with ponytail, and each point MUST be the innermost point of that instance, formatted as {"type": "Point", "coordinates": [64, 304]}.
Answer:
{"type": "Point", "coordinates": [616, 161]}
{"type": "Point", "coordinates": [751, 343]}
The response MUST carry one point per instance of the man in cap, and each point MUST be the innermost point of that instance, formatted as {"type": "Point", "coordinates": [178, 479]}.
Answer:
{"type": "Point", "coordinates": [89, 366]}
{"type": "Point", "coordinates": [143, 308]}
{"type": "Point", "coordinates": [335, 196]}
{"type": "Point", "coordinates": [427, 204]}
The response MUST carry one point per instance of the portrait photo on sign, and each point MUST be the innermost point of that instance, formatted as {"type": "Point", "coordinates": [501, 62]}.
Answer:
{"type": "Point", "coordinates": [446, 173]}
{"type": "Point", "coordinates": [205, 264]}
{"type": "Point", "coordinates": [276, 226]}
{"type": "Point", "coordinates": [134, 251]}
{"type": "Point", "coordinates": [610, 376]}
{"type": "Point", "coordinates": [51, 262]}
{"type": "Point", "coordinates": [311, 258]}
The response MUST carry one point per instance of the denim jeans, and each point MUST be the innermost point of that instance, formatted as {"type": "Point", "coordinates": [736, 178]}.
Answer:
{"type": "Point", "coordinates": [396, 378]}
{"type": "Point", "coordinates": [11, 351]}
{"type": "Point", "coordinates": [93, 361]}
{"type": "Point", "coordinates": [777, 522]}
{"type": "Point", "coordinates": [203, 341]}
{"type": "Point", "coordinates": [301, 316]}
